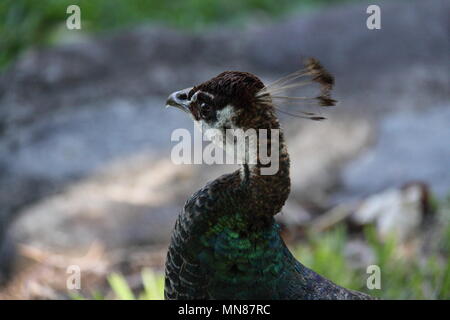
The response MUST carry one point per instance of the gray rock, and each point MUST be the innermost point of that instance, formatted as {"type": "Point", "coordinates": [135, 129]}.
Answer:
{"type": "Point", "coordinates": [411, 146]}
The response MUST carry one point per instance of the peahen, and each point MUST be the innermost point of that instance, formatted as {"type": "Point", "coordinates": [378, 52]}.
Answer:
{"type": "Point", "coordinates": [225, 243]}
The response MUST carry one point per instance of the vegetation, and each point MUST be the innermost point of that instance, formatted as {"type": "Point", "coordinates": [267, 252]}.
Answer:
{"type": "Point", "coordinates": [25, 23]}
{"type": "Point", "coordinates": [401, 277]}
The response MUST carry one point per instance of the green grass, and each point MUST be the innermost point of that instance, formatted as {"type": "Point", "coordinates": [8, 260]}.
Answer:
{"type": "Point", "coordinates": [401, 277]}
{"type": "Point", "coordinates": [153, 284]}
{"type": "Point", "coordinates": [421, 276]}
{"type": "Point", "coordinates": [25, 23]}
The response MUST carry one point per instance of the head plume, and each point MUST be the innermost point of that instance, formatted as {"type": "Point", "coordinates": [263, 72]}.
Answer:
{"type": "Point", "coordinates": [312, 73]}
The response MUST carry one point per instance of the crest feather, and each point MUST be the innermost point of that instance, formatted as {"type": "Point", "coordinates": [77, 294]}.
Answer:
{"type": "Point", "coordinates": [312, 73]}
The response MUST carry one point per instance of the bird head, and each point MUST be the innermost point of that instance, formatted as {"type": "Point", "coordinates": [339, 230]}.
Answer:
{"type": "Point", "coordinates": [227, 101]}
{"type": "Point", "coordinates": [240, 100]}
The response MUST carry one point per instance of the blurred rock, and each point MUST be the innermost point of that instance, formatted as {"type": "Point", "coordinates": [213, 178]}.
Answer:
{"type": "Point", "coordinates": [125, 206]}
{"type": "Point", "coordinates": [293, 216]}
{"type": "Point", "coordinates": [43, 274]}
{"type": "Point", "coordinates": [401, 66]}
{"type": "Point", "coordinates": [359, 254]}
{"type": "Point", "coordinates": [332, 217]}
{"type": "Point", "coordinates": [410, 146]}
{"type": "Point", "coordinates": [395, 212]}
{"type": "Point", "coordinates": [7, 255]}
{"type": "Point", "coordinates": [319, 150]}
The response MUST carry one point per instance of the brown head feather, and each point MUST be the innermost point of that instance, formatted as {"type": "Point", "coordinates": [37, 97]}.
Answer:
{"type": "Point", "coordinates": [326, 101]}
{"type": "Point", "coordinates": [232, 87]}
{"type": "Point", "coordinates": [320, 75]}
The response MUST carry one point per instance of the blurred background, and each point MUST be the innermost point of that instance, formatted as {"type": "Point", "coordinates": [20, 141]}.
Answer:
{"type": "Point", "coordinates": [85, 172]}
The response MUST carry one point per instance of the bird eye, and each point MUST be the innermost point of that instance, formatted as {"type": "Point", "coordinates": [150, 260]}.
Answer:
{"type": "Point", "coordinates": [205, 110]}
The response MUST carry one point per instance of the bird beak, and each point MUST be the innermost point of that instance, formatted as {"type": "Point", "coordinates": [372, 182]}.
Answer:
{"type": "Point", "coordinates": [179, 99]}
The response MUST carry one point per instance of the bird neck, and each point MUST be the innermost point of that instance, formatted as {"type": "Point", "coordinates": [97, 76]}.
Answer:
{"type": "Point", "coordinates": [267, 184]}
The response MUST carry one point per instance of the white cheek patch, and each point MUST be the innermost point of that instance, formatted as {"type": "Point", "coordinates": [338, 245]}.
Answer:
{"type": "Point", "coordinates": [224, 134]}
{"type": "Point", "coordinates": [215, 132]}
{"type": "Point", "coordinates": [224, 117]}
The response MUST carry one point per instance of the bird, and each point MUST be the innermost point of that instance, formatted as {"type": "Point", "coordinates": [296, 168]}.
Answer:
{"type": "Point", "coordinates": [225, 243]}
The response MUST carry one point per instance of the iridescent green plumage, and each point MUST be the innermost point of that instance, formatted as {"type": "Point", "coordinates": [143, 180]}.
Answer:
{"type": "Point", "coordinates": [226, 254]}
